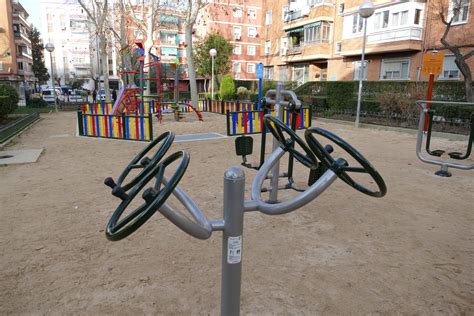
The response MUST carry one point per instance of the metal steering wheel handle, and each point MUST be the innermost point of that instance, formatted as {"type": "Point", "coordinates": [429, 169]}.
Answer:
{"type": "Point", "coordinates": [141, 162]}
{"type": "Point", "coordinates": [154, 197]}
{"type": "Point", "coordinates": [309, 160]}
{"type": "Point", "coordinates": [285, 207]}
{"type": "Point", "coordinates": [342, 171]}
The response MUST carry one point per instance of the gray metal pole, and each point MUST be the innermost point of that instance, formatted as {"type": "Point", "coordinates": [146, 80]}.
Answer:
{"type": "Point", "coordinates": [361, 74]}
{"type": "Point", "coordinates": [52, 80]}
{"type": "Point", "coordinates": [275, 173]}
{"type": "Point", "coordinates": [212, 77]}
{"type": "Point", "coordinates": [234, 186]}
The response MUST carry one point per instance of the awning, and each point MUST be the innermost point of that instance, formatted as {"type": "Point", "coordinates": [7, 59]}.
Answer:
{"type": "Point", "coordinates": [296, 30]}
{"type": "Point", "coordinates": [315, 24]}
{"type": "Point", "coordinates": [168, 32]}
{"type": "Point", "coordinates": [169, 18]}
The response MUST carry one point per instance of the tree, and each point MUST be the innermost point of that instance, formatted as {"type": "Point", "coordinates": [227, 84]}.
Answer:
{"type": "Point", "coordinates": [462, 50]}
{"type": "Point", "coordinates": [193, 8]}
{"type": "Point", "coordinates": [227, 88]}
{"type": "Point", "coordinates": [222, 61]}
{"type": "Point", "coordinates": [39, 69]}
{"type": "Point", "coordinates": [8, 100]}
{"type": "Point", "coordinates": [98, 14]}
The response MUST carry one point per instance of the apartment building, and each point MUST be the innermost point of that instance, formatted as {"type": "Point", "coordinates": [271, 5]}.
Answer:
{"type": "Point", "coordinates": [240, 22]}
{"type": "Point", "coordinates": [308, 40]}
{"type": "Point", "coordinates": [15, 49]}
{"type": "Point", "coordinates": [65, 24]}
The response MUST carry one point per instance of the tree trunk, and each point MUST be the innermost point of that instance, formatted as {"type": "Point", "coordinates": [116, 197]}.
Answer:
{"type": "Point", "coordinates": [148, 45]}
{"type": "Point", "coordinates": [468, 88]}
{"type": "Point", "coordinates": [191, 70]}
{"type": "Point", "coordinates": [105, 67]}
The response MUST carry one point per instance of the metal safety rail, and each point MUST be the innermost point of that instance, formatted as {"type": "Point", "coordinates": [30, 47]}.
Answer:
{"type": "Point", "coordinates": [445, 164]}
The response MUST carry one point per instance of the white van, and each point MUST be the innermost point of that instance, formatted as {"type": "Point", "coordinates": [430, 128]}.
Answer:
{"type": "Point", "coordinates": [48, 95]}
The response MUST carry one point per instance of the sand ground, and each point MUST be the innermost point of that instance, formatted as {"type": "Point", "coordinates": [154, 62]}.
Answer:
{"type": "Point", "coordinates": [411, 252]}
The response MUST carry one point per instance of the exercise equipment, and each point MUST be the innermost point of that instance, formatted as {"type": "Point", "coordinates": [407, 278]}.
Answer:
{"type": "Point", "coordinates": [199, 226]}
{"type": "Point", "coordinates": [445, 164]}
{"type": "Point", "coordinates": [280, 99]}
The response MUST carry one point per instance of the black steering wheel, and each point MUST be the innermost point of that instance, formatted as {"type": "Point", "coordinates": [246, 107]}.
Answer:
{"type": "Point", "coordinates": [154, 197]}
{"type": "Point", "coordinates": [287, 144]}
{"type": "Point", "coordinates": [342, 169]}
{"type": "Point", "coordinates": [142, 162]}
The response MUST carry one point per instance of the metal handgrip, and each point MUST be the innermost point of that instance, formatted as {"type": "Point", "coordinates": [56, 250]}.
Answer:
{"type": "Point", "coordinates": [199, 228]}
{"type": "Point", "coordinates": [285, 207]}
{"type": "Point", "coordinates": [272, 93]}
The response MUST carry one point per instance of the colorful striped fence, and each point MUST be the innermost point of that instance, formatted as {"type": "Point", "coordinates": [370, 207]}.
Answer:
{"type": "Point", "coordinates": [221, 107]}
{"type": "Point", "coordinates": [96, 120]}
{"type": "Point", "coordinates": [251, 122]}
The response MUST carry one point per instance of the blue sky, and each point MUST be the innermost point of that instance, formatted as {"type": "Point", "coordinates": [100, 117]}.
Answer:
{"type": "Point", "coordinates": [33, 9]}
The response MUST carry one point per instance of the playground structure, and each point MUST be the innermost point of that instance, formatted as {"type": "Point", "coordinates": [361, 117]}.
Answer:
{"type": "Point", "coordinates": [426, 118]}
{"type": "Point", "coordinates": [314, 156]}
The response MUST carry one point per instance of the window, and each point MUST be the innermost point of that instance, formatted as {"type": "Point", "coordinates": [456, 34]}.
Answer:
{"type": "Point", "coordinates": [252, 14]}
{"type": "Point", "coordinates": [1, 65]}
{"type": "Point", "coordinates": [338, 47]}
{"type": "Point", "coordinates": [417, 16]}
{"type": "Point", "coordinates": [237, 50]}
{"type": "Point", "coordinates": [356, 23]}
{"type": "Point", "coordinates": [251, 50]}
{"type": "Point", "coordinates": [20, 65]}
{"type": "Point", "coordinates": [237, 32]}
{"type": "Point", "coordinates": [268, 47]}
{"type": "Point", "coordinates": [340, 8]}
{"type": "Point", "coordinates": [236, 67]}
{"type": "Point", "coordinates": [252, 31]}
{"type": "Point", "coordinates": [268, 72]}
{"type": "Point", "coordinates": [395, 17]}
{"type": "Point", "coordinates": [395, 68]}
{"type": "Point", "coordinates": [450, 69]}
{"type": "Point", "coordinates": [284, 12]}
{"type": "Point", "coordinates": [167, 37]}
{"type": "Point", "coordinates": [381, 19]}
{"type": "Point", "coordinates": [399, 18]}
{"type": "Point", "coordinates": [357, 70]}
{"type": "Point", "coordinates": [300, 74]}
{"type": "Point", "coordinates": [283, 73]}
{"type": "Point", "coordinates": [403, 17]}
{"type": "Point", "coordinates": [283, 46]}
{"type": "Point", "coordinates": [251, 68]}
{"type": "Point", "coordinates": [459, 10]}
{"type": "Point", "coordinates": [317, 32]}
{"type": "Point", "coordinates": [268, 18]}
{"type": "Point", "coordinates": [237, 13]}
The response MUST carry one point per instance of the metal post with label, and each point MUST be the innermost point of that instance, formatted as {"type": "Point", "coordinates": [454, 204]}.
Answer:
{"type": "Point", "coordinates": [432, 65]}
{"type": "Point", "coordinates": [234, 187]}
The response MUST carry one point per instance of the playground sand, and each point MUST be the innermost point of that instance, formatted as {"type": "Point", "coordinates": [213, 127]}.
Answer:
{"type": "Point", "coordinates": [411, 252]}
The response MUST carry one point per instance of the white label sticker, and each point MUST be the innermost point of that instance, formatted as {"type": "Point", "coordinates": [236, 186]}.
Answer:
{"type": "Point", "coordinates": [234, 250]}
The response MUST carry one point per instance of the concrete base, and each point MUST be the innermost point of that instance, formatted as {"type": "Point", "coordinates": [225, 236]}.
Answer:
{"type": "Point", "coordinates": [9, 157]}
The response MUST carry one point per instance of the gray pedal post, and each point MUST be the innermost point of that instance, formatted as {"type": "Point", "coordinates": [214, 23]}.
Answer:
{"type": "Point", "coordinates": [232, 240]}
{"type": "Point", "coordinates": [276, 169]}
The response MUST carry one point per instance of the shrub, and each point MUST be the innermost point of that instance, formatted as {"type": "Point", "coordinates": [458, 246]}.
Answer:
{"type": "Point", "coordinates": [8, 100]}
{"type": "Point", "coordinates": [243, 93]}
{"type": "Point", "coordinates": [36, 103]}
{"type": "Point", "coordinates": [403, 102]}
{"type": "Point", "coordinates": [227, 91]}
{"type": "Point", "coordinates": [340, 94]}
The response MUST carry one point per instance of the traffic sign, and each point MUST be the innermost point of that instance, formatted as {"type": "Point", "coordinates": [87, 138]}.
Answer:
{"type": "Point", "coordinates": [259, 71]}
{"type": "Point", "coordinates": [432, 63]}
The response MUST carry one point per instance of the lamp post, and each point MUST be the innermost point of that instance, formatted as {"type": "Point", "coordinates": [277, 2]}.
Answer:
{"type": "Point", "coordinates": [213, 53]}
{"type": "Point", "coordinates": [366, 10]}
{"type": "Point", "coordinates": [50, 48]}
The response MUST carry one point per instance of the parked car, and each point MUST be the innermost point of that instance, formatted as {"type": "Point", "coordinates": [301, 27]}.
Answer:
{"type": "Point", "coordinates": [48, 95]}
{"type": "Point", "coordinates": [101, 95]}
{"type": "Point", "coordinates": [75, 96]}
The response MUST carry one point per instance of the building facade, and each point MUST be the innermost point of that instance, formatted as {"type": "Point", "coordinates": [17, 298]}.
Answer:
{"type": "Point", "coordinates": [312, 40]}
{"type": "Point", "coordinates": [15, 49]}
{"type": "Point", "coordinates": [240, 22]}
{"type": "Point", "coordinates": [66, 25]}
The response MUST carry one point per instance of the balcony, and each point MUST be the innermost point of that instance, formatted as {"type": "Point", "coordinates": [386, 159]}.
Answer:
{"type": "Point", "coordinates": [400, 34]}
{"type": "Point", "coordinates": [293, 15]}
{"type": "Point", "coordinates": [294, 50]}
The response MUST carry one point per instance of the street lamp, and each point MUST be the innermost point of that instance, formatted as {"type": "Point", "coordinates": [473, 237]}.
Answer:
{"type": "Point", "coordinates": [213, 53]}
{"type": "Point", "coordinates": [50, 48]}
{"type": "Point", "coordinates": [366, 10]}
